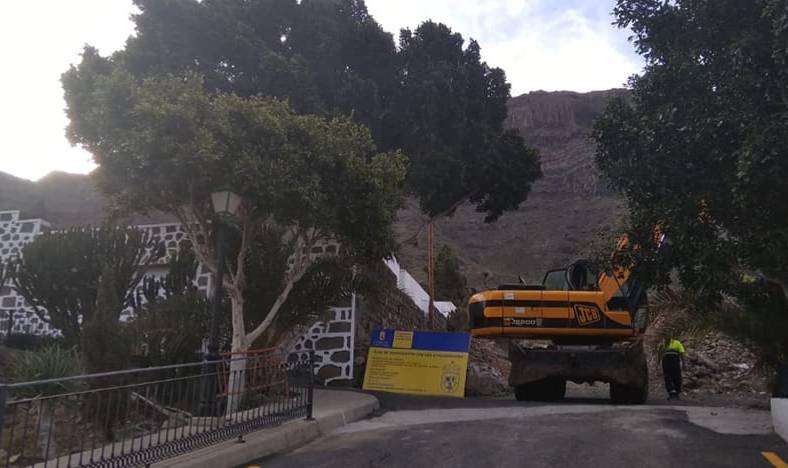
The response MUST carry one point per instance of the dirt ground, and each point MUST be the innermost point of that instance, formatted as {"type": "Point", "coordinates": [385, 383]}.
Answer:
{"type": "Point", "coordinates": [719, 372]}
{"type": "Point", "coordinates": [658, 395]}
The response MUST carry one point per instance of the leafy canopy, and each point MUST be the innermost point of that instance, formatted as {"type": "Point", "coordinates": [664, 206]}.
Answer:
{"type": "Point", "coordinates": [700, 148]}
{"type": "Point", "coordinates": [165, 143]}
{"type": "Point", "coordinates": [434, 98]}
{"type": "Point", "coordinates": [448, 115]}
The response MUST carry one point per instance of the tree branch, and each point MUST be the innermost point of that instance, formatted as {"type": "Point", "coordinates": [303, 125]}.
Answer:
{"type": "Point", "coordinates": [188, 226]}
{"type": "Point", "coordinates": [306, 239]}
{"type": "Point", "coordinates": [247, 233]}
{"type": "Point", "coordinates": [447, 211]}
{"type": "Point", "coordinates": [275, 308]}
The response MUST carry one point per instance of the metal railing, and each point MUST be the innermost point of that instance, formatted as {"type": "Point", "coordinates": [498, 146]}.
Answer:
{"type": "Point", "coordinates": [141, 416]}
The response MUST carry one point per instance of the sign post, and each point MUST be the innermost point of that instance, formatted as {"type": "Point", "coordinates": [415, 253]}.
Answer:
{"type": "Point", "coordinates": [417, 362]}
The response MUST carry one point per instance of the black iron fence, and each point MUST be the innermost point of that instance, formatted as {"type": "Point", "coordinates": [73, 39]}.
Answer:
{"type": "Point", "coordinates": [141, 416]}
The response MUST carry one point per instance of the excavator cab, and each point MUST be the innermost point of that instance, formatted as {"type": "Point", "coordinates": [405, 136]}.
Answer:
{"type": "Point", "coordinates": [579, 276]}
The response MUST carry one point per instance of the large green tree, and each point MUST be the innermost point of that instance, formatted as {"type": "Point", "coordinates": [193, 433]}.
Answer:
{"type": "Point", "coordinates": [699, 148]}
{"type": "Point", "coordinates": [448, 115]}
{"type": "Point", "coordinates": [434, 98]}
{"type": "Point", "coordinates": [165, 143]}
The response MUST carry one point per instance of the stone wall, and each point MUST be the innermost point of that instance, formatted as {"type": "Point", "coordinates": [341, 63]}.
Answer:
{"type": "Point", "coordinates": [389, 308]}
{"type": "Point", "coordinates": [332, 341]}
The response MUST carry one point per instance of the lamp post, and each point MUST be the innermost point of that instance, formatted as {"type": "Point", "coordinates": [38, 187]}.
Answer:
{"type": "Point", "coordinates": [225, 205]}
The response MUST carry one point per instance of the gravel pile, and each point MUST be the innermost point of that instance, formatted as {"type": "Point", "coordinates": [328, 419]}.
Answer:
{"type": "Point", "coordinates": [488, 369]}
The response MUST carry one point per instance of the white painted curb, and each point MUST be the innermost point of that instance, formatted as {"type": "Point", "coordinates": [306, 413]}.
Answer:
{"type": "Point", "coordinates": [780, 416]}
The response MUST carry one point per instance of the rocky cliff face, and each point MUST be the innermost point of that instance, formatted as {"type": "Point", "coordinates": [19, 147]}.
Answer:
{"type": "Point", "coordinates": [565, 211]}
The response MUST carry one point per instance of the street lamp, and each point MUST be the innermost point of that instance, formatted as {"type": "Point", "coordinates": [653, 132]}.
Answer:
{"type": "Point", "coordinates": [225, 203]}
{"type": "Point", "coordinates": [225, 206]}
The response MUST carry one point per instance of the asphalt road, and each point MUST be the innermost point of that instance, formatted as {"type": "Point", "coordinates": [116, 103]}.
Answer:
{"type": "Point", "coordinates": [466, 433]}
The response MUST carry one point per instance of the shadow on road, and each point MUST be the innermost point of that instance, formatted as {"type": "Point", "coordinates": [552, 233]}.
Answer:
{"type": "Point", "coordinates": [399, 402]}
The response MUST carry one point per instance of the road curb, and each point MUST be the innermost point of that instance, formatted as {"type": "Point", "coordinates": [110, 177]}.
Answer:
{"type": "Point", "coordinates": [267, 442]}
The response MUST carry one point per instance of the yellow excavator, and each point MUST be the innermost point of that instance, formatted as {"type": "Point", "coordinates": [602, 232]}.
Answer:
{"type": "Point", "coordinates": [577, 325]}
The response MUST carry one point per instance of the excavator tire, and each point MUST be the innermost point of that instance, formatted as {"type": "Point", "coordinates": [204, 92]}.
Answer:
{"type": "Point", "coordinates": [621, 394]}
{"type": "Point", "coordinates": [551, 389]}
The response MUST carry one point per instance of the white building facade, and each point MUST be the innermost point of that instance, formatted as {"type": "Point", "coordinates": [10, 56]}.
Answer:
{"type": "Point", "coordinates": [332, 340]}
{"type": "Point", "coordinates": [15, 312]}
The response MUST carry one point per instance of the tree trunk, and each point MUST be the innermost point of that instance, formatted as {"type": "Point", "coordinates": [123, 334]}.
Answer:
{"type": "Point", "coordinates": [236, 381]}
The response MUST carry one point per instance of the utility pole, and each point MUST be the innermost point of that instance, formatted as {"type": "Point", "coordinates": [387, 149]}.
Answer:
{"type": "Point", "coordinates": [431, 275]}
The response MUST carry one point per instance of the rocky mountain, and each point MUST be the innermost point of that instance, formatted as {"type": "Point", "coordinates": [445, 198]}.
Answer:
{"type": "Point", "coordinates": [565, 212]}
{"type": "Point", "coordinates": [61, 198]}
{"type": "Point", "coordinates": [566, 209]}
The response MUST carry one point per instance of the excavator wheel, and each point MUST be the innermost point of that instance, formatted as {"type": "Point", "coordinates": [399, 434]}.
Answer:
{"type": "Point", "coordinates": [621, 394]}
{"type": "Point", "coordinates": [551, 389]}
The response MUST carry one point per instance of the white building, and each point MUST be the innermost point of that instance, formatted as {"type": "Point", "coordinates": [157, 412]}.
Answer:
{"type": "Point", "coordinates": [332, 339]}
{"type": "Point", "coordinates": [14, 234]}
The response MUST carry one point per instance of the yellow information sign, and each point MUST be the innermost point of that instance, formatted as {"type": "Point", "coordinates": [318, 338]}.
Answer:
{"type": "Point", "coordinates": [415, 362]}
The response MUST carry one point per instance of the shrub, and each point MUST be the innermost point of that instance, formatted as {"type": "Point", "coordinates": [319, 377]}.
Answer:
{"type": "Point", "coordinates": [760, 319]}
{"type": "Point", "coordinates": [170, 331]}
{"type": "Point", "coordinates": [105, 344]}
{"type": "Point", "coordinates": [458, 320]}
{"type": "Point", "coordinates": [50, 362]}
{"type": "Point", "coordinates": [28, 342]}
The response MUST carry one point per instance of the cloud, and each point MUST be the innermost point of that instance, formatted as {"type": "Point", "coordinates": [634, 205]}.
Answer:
{"type": "Point", "coordinates": [541, 44]}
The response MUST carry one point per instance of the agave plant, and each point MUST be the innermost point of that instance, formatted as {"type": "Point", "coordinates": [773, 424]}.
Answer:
{"type": "Point", "coordinates": [51, 362]}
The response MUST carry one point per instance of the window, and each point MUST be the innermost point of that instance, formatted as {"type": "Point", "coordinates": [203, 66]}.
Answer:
{"type": "Point", "coordinates": [555, 280]}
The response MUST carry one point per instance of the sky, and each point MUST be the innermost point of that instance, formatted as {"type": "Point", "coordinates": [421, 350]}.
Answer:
{"type": "Point", "coordinates": [541, 44]}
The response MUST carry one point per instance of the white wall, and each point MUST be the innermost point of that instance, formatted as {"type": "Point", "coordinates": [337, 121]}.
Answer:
{"type": "Point", "coordinates": [408, 284]}
{"type": "Point", "coordinates": [780, 416]}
